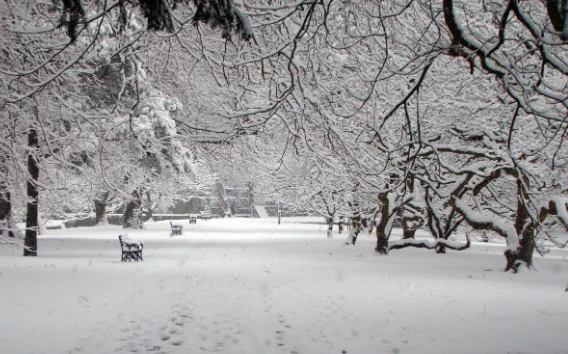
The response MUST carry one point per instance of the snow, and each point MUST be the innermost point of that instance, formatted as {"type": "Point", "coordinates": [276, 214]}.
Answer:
{"type": "Point", "coordinates": [261, 211]}
{"type": "Point", "coordinates": [253, 286]}
{"type": "Point", "coordinates": [130, 239]}
{"type": "Point", "coordinates": [245, 23]}
{"type": "Point", "coordinates": [428, 243]}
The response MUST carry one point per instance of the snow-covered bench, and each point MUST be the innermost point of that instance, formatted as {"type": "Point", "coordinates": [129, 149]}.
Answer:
{"type": "Point", "coordinates": [131, 250]}
{"type": "Point", "coordinates": [177, 229]}
{"type": "Point", "coordinates": [192, 219]}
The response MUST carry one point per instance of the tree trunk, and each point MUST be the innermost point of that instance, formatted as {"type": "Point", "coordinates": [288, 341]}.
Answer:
{"type": "Point", "coordinates": [364, 223]}
{"type": "Point", "coordinates": [7, 228]}
{"type": "Point", "coordinates": [407, 231]}
{"type": "Point", "coordinates": [524, 226]}
{"type": "Point", "coordinates": [372, 224]}
{"type": "Point", "coordinates": [356, 227]}
{"type": "Point", "coordinates": [146, 213]}
{"type": "Point", "coordinates": [383, 231]}
{"type": "Point", "coordinates": [132, 213]}
{"type": "Point", "coordinates": [382, 241]}
{"type": "Point", "coordinates": [526, 251]}
{"type": "Point", "coordinates": [5, 212]}
{"type": "Point", "coordinates": [251, 199]}
{"type": "Point", "coordinates": [100, 208]}
{"type": "Point", "coordinates": [356, 220]}
{"type": "Point", "coordinates": [526, 236]}
{"type": "Point", "coordinates": [221, 198]}
{"type": "Point", "coordinates": [30, 242]}
{"type": "Point", "coordinates": [329, 222]}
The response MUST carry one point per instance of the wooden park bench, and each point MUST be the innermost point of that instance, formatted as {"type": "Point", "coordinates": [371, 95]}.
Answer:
{"type": "Point", "coordinates": [193, 219]}
{"type": "Point", "coordinates": [177, 229]}
{"type": "Point", "coordinates": [131, 250]}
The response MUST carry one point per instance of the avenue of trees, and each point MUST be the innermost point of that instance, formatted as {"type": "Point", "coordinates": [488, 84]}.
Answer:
{"type": "Point", "coordinates": [445, 115]}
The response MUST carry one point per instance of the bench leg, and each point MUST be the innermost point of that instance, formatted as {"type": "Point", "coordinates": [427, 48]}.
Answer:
{"type": "Point", "coordinates": [129, 256]}
{"type": "Point", "coordinates": [132, 256]}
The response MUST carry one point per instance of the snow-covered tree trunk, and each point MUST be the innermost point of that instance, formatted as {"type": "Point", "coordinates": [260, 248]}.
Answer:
{"type": "Point", "coordinates": [526, 241]}
{"type": "Point", "coordinates": [356, 222]}
{"type": "Point", "coordinates": [5, 212]}
{"type": "Point", "coordinates": [340, 224]}
{"type": "Point", "coordinates": [132, 212]}
{"type": "Point", "coordinates": [147, 210]}
{"type": "Point", "coordinates": [356, 227]}
{"type": "Point", "coordinates": [480, 221]}
{"type": "Point", "coordinates": [524, 227]}
{"type": "Point", "coordinates": [386, 219]}
{"type": "Point", "coordinates": [329, 222]}
{"type": "Point", "coordinates": [7, 224]}
{"type": "Point", "coordinates": [222, 199]}
{"type": "Point", "coordinates": [30, 242]}
{"type": "Point", "coordinates": [251, 199]}
{"type": "Point", "coordinates": [408, 229]}
{"type": "Point", "coordinates": [100, 208]}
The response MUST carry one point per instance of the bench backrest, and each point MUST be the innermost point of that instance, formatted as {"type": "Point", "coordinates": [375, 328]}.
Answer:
{"type": "Point", "coordinates": [122, 244]}
{"type": "Point", "coordinates": [175, 226]}
{"type": "Point", "coordinates": [127, 244]}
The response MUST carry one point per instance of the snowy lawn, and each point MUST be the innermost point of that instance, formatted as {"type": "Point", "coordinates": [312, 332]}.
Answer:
{"type": "Point", "coordinates": [252, 286]}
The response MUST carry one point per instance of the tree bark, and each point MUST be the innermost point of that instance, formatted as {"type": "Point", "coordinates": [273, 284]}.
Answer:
{"type": "Point", "coordinates": [5, 212]}
{"type": "Point", "coordinates": [132, 213]}
{"type": "Point", "coordinates": [407, 231]}
{"type": "Point", "coordinates": [6, 221]}
{"type": "Point", "coordinates": [223, 204]}
{"type": "Point", "coordinates": [329, 222]}
{"type": "Point", "coordinates": [382, 237]}
{"type": "Point", "coordinates": [100, 208]}
{"type": "Point", "coordinates": [251, 200]}
{"type": "Point", "coordinates": [524, 226]}
{"type": "Point", "coordinates": [382, 242]}
{"type": "Point", "coordinates": [30, 241]}
{"type": "Point", "coordinates": [526, 240]}
{"type": "Point", "coordinates": [356, 227]}
{"type": "Point", "coordinates": [146, 213]}
{"type": "Point", "coordinates": [356, 222]}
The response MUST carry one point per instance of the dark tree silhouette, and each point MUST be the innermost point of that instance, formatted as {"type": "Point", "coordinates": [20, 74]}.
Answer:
{"type": "Point", "coordinates": [217, 13]}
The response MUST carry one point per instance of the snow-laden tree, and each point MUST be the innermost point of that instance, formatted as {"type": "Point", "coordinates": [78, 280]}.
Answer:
{"type": "Point", "coordinates": [85, 104]}
{"type": "Point", "coordinates": [348, 75]}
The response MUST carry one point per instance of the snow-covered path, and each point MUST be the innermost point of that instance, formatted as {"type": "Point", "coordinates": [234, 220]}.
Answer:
{"type": "Point", "coordinates": [295, 292]}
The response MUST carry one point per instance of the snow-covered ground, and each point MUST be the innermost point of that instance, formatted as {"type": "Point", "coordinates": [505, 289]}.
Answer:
{"type": "Point", "coordinates": [252, 286]}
